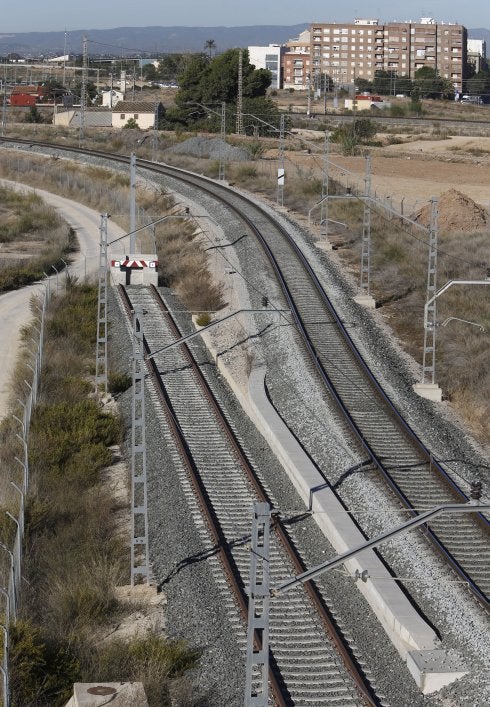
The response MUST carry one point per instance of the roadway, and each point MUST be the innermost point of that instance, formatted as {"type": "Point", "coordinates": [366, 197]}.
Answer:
{"type": "Point", "coordinates": [14, 306]}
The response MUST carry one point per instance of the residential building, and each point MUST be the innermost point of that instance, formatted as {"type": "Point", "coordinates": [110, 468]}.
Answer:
{"type": "Point", "coordinates": [268, 58]}
{"type": "Point", "coordinates": [349, 51]}
{"type": "Point", "coordinates": [296, 62]}
{"type": "Point", "coordinates": [143, 112]}
{"type": "Point", "coordinates": [27, 95]}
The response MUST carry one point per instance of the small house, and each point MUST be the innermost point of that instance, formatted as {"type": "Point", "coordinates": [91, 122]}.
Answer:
{"type": "Point", "coordinates": [144, 113]}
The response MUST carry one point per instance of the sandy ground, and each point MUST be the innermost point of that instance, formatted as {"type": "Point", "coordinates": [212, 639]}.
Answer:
{"type": "Point", "coordinates": [14, 306]}
{"type": "Point", "coordinates": [414, 171]}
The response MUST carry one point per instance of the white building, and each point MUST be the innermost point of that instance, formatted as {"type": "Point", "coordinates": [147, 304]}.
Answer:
{"type": "Point", "coordinates": [268, 58]}
{"type": "Point", "coordinates": [477, 53]}
{"type": "Point", "coordinates": [142, 112]}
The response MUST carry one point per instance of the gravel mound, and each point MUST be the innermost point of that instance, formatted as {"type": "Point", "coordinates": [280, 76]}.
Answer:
{"type": "Point", "coordinates": [209, 148]}
{"type": "Point", "coordinates": [457, 212]}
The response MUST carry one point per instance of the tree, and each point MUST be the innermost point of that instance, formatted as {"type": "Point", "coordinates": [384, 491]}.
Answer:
{"type": "Point", "coordinates": [213, 82]}
{"type": "Point", "coordinates": [479, 84]}
{"type": "Point", "coordinates": [33, 116]}
{"type": "Point", "coordinates": [363, 85]}
{"type": "Point", "coordinates": [430, 85]}
{"type": "Point", "coordinates": [131, 124]}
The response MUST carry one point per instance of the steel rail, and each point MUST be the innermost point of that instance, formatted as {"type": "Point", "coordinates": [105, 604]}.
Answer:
{"type": "Point", "coordinates": [211, 187]}
{"type": "Point", "coordinates": [277, 525]}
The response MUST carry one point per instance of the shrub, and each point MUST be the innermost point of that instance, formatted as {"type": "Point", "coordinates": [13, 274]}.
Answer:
{"type": "Point", "coordinates": [118, 382]}
{"type": "Point", "coordinates": [153, 660]}
{"type": "Point", "coordinates": [203, 319]}
{"type": "Point", "coordinates": [255, 149]}
{"type": "Point", "coordinates": [40, 672]}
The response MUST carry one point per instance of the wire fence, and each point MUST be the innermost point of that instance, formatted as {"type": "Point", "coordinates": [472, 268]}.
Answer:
{"type": "Point", "coordinates": [11, 577]}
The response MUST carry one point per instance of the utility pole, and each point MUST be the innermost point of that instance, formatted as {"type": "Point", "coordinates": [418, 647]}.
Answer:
{"type": "Point", "coordinates": [221, 174]}
{"type": "Point", "coordinates": [325, 187]}
{"type": "Point", "coordinates": [429, 359]}
{"type": "Point", "coordinates": [239, 103]}
{"type": "Point", "coordinates": [280, 159]}
{"type": "Point", "coordinates": [140, 564]}
{"type": "Point", "coordinates": [366, 233]}
{"type": "Point", "coordinates": [83, 92]}
{"type": "Point", "coordinates": [257, 667]}
{"type": "Point", "coordinates": [132, 203]}
{"type": "Point", "coordinates": [101, 345]}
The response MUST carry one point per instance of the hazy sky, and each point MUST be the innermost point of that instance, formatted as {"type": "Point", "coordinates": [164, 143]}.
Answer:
{"type": "Point", "coordinates": [59, 15]}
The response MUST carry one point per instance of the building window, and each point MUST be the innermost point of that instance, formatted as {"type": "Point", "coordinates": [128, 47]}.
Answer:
{"type": "Point", "coordinates": [136, 116]}
{"type": "Point", "coordinates": [123, 115]}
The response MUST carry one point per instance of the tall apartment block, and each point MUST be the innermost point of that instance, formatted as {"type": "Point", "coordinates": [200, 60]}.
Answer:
{"type": "Point", "coordinates": [349, 51]}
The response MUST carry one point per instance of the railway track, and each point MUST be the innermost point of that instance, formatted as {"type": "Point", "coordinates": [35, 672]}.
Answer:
{"type": "Point", "coordinates": [417, 478]}
{"type": "Point", "coordinates": [312, 663]}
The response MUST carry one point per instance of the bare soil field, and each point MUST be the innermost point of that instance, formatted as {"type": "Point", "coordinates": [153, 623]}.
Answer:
{"type": "Point", "coordinates": [415, 171]}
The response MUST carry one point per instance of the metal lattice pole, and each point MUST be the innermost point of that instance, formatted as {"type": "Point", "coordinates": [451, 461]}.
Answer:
{"type": "Point", "coordinates": [101, 345]}
{"type": "Point", "coordinates": [140, 566]}
{"type": "Point", "coordinates": [325, 188]}
{"type": "Point", "coordinates": [366, 233]}
{"type": "Point", "coordinates": [280, 161]}
{"type": "Point", "coordinates": [429, 359]}
{"type": "Point", "coordinates": [83, 92]}
{"type": "Point", "coordinates": [239, 102]}
{"type": "Point", "coordinates": [154, 136]}
{"type": "Point", "coordinates": [132, 203]}
{"type": "Point", "coordinates": [257, 667]}
{"type": "Point", "coordinates": [221, 174]}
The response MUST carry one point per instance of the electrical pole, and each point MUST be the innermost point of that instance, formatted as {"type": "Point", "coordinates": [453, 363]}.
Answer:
{"type": "Point", "coordinates": [239, 103]}
{"type": "Point", "coordinates": [325, 187]}
{"type": "Point", "coordinates": [83, 92]}
{"type": "Point", "coordinates": [221, 174]}
{"type": "Point", "coordinates": [132, 203]}
{"type": "Point", "coordinates": [101, 345]}
{"type": "Point", "coordinates": [140, 564]}
{"type": "Point", "coordinates": [429, 362]}
{"type": "Point", "coordinates": [280, 159]}
{"type": "Point", "coordinates": [366, 233]}
{"type": "Point", "coordinates": [257, 666]}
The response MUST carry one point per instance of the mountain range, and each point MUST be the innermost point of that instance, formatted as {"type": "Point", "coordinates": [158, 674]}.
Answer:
{"type": "Point", "coordinates": [143, 40]}
{"type": "Point", "coordinates": [156, 40]}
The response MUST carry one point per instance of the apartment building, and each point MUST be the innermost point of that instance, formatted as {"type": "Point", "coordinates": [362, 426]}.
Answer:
{"type": "Point", "coordinates": [296, 62]}
{"type": "Point", "coordinates": [349, 51]}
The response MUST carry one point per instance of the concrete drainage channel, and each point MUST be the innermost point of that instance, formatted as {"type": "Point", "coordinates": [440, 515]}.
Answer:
{"type": "Point", "coordinates": [431, 666]}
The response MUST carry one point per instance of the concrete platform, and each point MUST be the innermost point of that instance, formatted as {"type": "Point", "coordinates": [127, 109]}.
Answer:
{"type": "Point", "coordinates": [118, 694]}
{"type": "Point", "coordinates": [431, 391]}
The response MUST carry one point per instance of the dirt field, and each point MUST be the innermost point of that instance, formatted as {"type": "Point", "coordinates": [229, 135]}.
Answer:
{"type": "Point", "coordinates": [417, 170]}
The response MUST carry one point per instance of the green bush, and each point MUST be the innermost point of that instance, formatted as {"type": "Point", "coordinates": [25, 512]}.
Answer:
{"type": "Point", "coordinates": [203, 319]}
{"type": "Point", "coordinates": [40, 673]}
{"type": "Point", "coordinates": [118, 382]}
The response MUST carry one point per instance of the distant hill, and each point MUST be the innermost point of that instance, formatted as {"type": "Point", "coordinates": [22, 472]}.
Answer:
{"type": "Point", "coordinates": [150, 40]}
{"type": "Point", "coordinates": [480, 33]}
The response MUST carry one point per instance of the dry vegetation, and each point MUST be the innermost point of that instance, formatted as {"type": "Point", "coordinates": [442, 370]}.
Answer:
{"type": "Point", "coordinates": [32, 239]}
{"type": "Point", "coordinates": [74, 554]}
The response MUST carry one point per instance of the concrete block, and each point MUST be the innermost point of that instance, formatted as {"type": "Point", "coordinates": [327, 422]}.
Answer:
{"type": "Point", "coordinates": [324, 245]}
{"type": "Point", "coordinates": [119, 694]}
{"type": "Point", "coordinates": [365, 301]}
{"type": "Point", "coordinates": [431, 391]}
{"type": "Point", "coordinates": [433, 670]}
